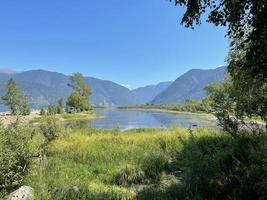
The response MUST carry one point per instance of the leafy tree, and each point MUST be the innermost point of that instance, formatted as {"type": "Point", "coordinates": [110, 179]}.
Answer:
{"type": "Point", "coordinates": [224, 106]}
{"type": "Point", "coordinates": [78, 84]}
{"type": "Point", "coordinates": [79, 102]}
{"type": "Point", "coordinates": [243, 18]}
{"type": "Point", "coordinates": [78, 99]}
{"type": "Point", "coordinates": [17, 103]}
{"type": "Point", "coordinates": [247, 62]}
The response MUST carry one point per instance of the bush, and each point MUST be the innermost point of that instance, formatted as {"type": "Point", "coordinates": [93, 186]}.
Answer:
{"type": "Point", "coordinates": [51, 110]}
{"type": "Point", "coordinates": [42, 112]}
{"type": "Point", "coordinates": [17, 147]}
{"type": "Point", "coordinates": [50, 129]}
{"type": "Point", "coordinates": [223, 167]}
{"type": "Point", "coordinates": [79, 102]}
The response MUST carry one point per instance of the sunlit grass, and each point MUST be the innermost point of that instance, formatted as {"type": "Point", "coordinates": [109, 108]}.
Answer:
{"type": "Point", "coordinates": [103, 164]}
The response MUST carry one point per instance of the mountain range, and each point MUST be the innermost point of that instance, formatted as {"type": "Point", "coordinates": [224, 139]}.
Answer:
{"type": "Point", "coordinates": [190, 86]}
{"type": "Point", "coordinates": [45, 87]}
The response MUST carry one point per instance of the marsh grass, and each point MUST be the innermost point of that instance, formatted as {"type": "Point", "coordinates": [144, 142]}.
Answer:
{"type": "Point", "coordinates": [103, 164]}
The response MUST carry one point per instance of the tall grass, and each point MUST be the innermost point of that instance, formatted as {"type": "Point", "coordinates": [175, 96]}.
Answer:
{"type": "Point", "coordinates": [85, 163]}
{"type": "Point", "coordinates": [100, 163]}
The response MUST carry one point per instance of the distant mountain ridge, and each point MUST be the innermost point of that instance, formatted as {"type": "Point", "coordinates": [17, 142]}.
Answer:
{"type": "Point", "coordinates": [148, 93]}
{"type": "Point", "coordinates": [190, 85]}
{"type": "Point", "coordinates": [44, 87]}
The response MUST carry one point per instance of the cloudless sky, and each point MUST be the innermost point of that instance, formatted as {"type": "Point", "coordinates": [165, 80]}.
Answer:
{"type": "Point", "coordinates": [131, 42]}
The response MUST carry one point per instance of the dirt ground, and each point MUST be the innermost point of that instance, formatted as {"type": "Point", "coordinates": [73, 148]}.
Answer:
{"type": "Point", "coordinates": [6, 118]}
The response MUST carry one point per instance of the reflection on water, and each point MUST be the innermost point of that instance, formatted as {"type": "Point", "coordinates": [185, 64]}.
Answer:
{"type": "Point", "coordinates": [128, 119]}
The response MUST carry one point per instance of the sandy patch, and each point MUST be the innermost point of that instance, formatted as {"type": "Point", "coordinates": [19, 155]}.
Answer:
{"type": "Point", "coordinates": [6, 118]}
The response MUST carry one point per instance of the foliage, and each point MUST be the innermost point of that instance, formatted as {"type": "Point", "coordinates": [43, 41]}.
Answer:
{"type": "Point", "coordinates": [78, 99]}
{"type": "Point", "coordinates": [50, 129]}
{"type": "Point", "coordinates": [61, 106]}
{"type": "Point", "coordinates": [52, 110]}
{"type": "Point", "coordinates": [17, 103]}
{"type": "Point", "coordinates": [243, 19]}
{"type": "Point", "coordinates": [18, 145]}
{"type": "Point", "coordinates": [238, 99]}
{"type": "Point", "coordinates": [78, 84]}
{"type": "Point", "coordinates": [223, 103]}
{"type": "Point", "coordinates": [223, 167]}
{"type": "Point", "coordinates": [42, 112]}
{"type": "Point", "coordinates": [194, 106]}
{"type": "Point", "coordinates": [79, 102]}
{"type": "Point", "coordinates": [251, 98]}
{"type": "Point", "coordinates": [247, 61]}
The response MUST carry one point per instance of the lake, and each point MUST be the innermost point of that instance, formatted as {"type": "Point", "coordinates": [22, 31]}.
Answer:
{"type": "Point", "coordinates": [128, 119]}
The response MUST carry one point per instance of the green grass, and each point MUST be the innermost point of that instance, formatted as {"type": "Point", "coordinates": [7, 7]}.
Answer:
{"type": "Point", "coordinates": [102, 164]}
{"type": "Point", "coordinates": [85, 163]}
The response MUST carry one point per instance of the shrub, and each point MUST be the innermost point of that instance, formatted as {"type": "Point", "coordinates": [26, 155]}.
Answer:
{"type": "Point", "coordinates": [223, 167]}
{"type": "Point", "coordinates": [17, 147]}
{"type": "Point", "coordinates": [79, 102]}
{"type": "Point", "coordinates": [42, 112]}
{"type": "Point", "coordinates": [51, 110]}
{"type": "Point", "coordinates": [50, 129]}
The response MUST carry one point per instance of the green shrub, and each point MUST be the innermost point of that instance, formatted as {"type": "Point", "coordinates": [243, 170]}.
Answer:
{"type": "Point", "coordinates": [42, 112]}
{"type": "Point", "coordinates": [51, 110]}
{"type": "Point", "coordinates": [223, 167]}
{"type": "Point", "coordinates": [17, 147]}
{"type": "Point", "coordinates": [50, 129]}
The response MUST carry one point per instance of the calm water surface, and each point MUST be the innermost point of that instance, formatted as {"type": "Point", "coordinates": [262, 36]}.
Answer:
{"type": "Point", "coordinates": [128, 119]}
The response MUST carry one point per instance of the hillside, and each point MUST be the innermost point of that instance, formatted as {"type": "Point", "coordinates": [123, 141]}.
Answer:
{"type": "Point", "coordinates": [148, 93]}
{"type": "Point", "coordinates": [44, 87]}
{"type": "Point", "coordinates": [190, 85]}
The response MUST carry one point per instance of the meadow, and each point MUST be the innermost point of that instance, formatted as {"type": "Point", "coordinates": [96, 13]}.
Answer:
{"type": "Point", "coordinates": [176, 163]}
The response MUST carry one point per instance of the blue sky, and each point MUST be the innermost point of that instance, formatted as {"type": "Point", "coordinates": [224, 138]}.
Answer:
{"type": "Point", "coordinates": [131, 42]}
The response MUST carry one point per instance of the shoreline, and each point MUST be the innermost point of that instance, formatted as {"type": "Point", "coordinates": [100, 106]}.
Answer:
{"type": "Point", "coordinates": [34, 117]}
{"type": "Point", "coordinates": [165, 110]}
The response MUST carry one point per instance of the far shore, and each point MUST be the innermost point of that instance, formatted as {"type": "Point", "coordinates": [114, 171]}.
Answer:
{"type": "Point", "coordinates": [165, 110]}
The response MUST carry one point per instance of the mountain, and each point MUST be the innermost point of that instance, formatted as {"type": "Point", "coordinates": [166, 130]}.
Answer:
{"type": "Point", "coordinates": [190, 86]}
{"type": "Point", "coordinates": [148, 93]}
{"type": "Point", "coordinates": [44, 88]}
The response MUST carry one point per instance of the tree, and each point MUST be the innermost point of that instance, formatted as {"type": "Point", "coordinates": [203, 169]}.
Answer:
{"type": "Point", "coordinates": [223, 105]}
{"type": "Point", "coordinates": [79, 102]}
{"type": "Point", "coordinates": [61, 106]}
{"type": "Point", "coordinates": [78, 99]}
{"type": "Point", "coordinates": [78, 84]}
{"type": "Point", "coordinates": [17, 103]}
{"type": "Point", "coordinates": [247, 61]}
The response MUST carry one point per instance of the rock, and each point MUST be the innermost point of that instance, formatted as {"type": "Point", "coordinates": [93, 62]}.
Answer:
{"type": "Point", "coordinates": [23, 193]}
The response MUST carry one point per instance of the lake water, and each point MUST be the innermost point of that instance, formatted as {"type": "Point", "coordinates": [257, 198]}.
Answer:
{"type": "Point", "coordinates": [128, 119]}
